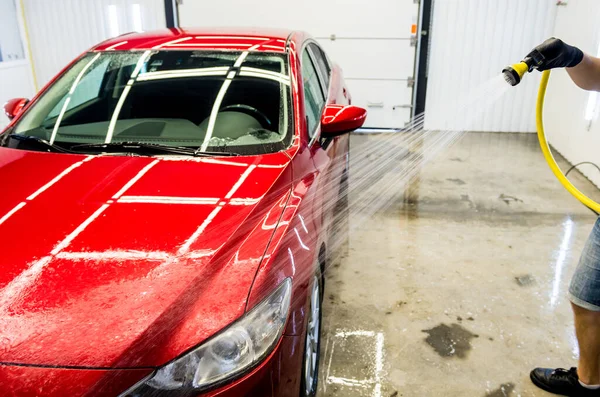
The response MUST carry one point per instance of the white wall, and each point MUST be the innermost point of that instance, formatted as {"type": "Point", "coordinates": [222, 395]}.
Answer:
{"type": "Point", "coordinates": [11, 47]}
{"type": "Point", "coordinates": [15, 82]}
{"type": "Point", "coordinates": [60, 30]}
{"type": "Point", "coordinates": [15, 75]}
{"type": "Point", "coordinates": [472, 41]}
{"type": "Point", "coordinates": [568, 131]}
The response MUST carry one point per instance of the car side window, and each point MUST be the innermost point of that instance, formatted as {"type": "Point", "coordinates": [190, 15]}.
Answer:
{"type": "Point", "coordinates": [314, 100]}
{"type": "Point", "coordinates": [322, 63]}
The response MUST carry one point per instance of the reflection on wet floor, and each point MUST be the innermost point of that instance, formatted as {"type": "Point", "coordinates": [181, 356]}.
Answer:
{"type": "Point", "coordinates": [411, 193]}
{"type": "Point", "coordinates": [458, 288]}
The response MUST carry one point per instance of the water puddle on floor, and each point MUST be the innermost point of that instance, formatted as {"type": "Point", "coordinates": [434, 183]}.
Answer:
{"type": "Point", "coordinates": [450, 341]}
{"type": "Point", "coordinates": [504, 390]}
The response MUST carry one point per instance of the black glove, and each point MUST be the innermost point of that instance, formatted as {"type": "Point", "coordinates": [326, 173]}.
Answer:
{"type": "Point", "coordinates": [555, 54]}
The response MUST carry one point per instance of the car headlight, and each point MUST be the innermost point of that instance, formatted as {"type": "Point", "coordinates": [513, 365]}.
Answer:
{"type": "Point", "coordinates": [230, 353]}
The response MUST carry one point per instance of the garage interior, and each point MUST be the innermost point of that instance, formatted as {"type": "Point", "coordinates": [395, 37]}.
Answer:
{"type": "Point", "coordinates": [457, 285]}
{"type": "Point", "coordinates": [468, 287]}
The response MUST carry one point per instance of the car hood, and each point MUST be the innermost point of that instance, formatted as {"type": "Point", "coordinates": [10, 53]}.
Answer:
{"type": "Point", "coordinates": [121, 262]}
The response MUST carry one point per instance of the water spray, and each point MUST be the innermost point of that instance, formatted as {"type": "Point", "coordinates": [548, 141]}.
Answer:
{"type": "Point", "coordinates": [513, 75]}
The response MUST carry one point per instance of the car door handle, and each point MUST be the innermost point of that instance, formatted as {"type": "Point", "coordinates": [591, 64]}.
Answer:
{"type": "Point", "coordinates": [375, 104]}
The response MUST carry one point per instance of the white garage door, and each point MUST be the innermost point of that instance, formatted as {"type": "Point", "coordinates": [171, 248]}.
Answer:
{"type": "Point", "coordinates": [371, 40]}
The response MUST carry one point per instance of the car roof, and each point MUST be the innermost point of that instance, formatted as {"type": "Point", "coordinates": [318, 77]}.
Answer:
{"type": "Point", "coordinates": [256, 39]}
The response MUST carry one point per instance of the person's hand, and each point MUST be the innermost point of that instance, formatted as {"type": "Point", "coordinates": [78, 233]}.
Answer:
{"type": "Point", "coordinates": [555, 54]}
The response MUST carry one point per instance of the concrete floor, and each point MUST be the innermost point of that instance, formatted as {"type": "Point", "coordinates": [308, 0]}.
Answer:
{"type": "Point", "coordinates": [463, 291]}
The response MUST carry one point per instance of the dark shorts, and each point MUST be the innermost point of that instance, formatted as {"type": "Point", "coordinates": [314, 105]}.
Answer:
{"type": "Point", "coordinates": [584, 290]}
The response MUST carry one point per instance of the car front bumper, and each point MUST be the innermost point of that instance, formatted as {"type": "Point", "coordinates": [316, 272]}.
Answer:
{"type": "Point", "coordinates": [277, 376]}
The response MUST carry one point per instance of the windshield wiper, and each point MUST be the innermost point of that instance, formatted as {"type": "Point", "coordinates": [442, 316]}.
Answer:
{"type": "Point", "coordinates": [36, 139]}
{"type": "Point", "coordinates": [143, 148]}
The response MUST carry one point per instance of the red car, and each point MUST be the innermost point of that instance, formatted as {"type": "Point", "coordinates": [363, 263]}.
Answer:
{"type": "Point", "coordinates": [166, 217]}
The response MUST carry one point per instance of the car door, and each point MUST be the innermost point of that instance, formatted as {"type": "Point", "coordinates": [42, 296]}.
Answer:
{"type": "Point", "coordinates": [335, 92]}
{"type": "Point", "coordinates": [325, 153]}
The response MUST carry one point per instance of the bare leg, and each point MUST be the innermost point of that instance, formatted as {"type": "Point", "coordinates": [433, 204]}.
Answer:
{"type": "Point", "coordinates": [587, 328]}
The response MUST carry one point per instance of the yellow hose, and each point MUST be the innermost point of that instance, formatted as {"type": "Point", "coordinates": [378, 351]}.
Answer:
{"type": "Point", "coordinates": [588, 202]}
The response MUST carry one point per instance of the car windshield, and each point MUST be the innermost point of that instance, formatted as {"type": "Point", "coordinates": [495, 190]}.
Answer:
{"type": "Point", "coordinates": [224, 101]}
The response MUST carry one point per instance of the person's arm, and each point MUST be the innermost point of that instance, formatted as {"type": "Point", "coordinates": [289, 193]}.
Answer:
{"type": "Point", "coordinates": [586, 74]}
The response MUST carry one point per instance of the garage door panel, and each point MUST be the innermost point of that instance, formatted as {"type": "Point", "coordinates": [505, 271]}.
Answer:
{"type": "Point", "coordinates": [352, 18]}
{"type": "Point", "coordinates": [361, 19]}
{"type": "Point", "coordinates": [386, 59]}
{"type": "Point", "coordinates": [387, 102]}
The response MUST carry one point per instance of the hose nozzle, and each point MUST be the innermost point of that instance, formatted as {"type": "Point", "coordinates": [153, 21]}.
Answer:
{"type": "Point", "coordinates": [514, 73]}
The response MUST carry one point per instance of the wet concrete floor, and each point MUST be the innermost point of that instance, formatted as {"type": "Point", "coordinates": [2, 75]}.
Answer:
{"type": "Point", "coordinates": [458, 288]}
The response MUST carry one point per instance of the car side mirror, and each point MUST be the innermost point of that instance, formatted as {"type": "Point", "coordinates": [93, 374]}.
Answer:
{"type": "Point", "coordinates": [13, 107]}
{"type": "Point", "coordinates": [340, 119]}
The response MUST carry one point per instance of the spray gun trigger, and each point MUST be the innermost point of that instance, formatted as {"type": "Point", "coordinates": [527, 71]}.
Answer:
{"type": "Point", "coordinates": [534, 60]}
